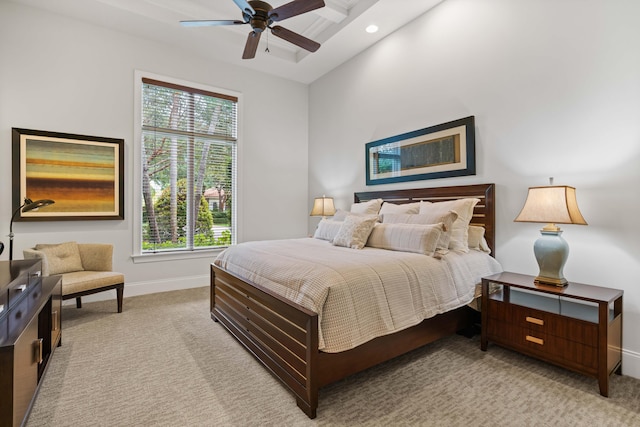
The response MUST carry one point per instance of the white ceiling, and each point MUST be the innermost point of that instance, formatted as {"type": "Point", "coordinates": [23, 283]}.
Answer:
{"type": "Point", "coordinates": [339, 27]}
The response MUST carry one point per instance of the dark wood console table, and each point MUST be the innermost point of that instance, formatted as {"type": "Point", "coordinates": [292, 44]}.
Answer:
{"type": "Point", "coordinates": [30, 330]}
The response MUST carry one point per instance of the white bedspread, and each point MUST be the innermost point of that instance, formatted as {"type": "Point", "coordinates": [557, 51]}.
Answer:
{"type": "Point", "coordinates": [359, 294]}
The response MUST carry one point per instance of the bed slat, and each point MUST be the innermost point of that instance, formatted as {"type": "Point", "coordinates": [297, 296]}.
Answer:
{"type": "Point", "coordinates": [291, 357]}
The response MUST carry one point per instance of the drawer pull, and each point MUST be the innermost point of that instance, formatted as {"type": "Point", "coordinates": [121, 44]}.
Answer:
{"type": "Point", "coordinates": [55, 320]}
{"type": "Point", "coordinates": [39, 350]}
{"type": "Point", "coordinates": [534, 340]}
{"type": "Point", "coordinates": [535, 321]}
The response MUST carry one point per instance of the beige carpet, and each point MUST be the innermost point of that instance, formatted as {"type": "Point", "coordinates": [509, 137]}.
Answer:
{"type": "Point", "coordinates": [164, 362]}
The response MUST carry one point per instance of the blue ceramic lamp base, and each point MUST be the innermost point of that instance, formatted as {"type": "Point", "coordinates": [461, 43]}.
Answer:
{"type": "Point", "coordinates": [551, 252]}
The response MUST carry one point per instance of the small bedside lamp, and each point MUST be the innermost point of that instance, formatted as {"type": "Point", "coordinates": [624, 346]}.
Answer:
{"type": "Point", "coordinates": [28, 205]}
{"type": "Point", "coordinates": [323, 206]}
{"type": "Point", "coordinates": [552, 205]}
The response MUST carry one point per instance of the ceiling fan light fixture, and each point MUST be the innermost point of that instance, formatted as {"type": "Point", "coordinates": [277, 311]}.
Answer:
{"type": "Point", "coordinates": [373, 28]}
{"type": "Point", "coordinates": [261, 15]}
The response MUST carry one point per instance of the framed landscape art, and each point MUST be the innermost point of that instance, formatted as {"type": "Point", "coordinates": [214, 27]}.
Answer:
{"type": "Point", "coordinates": [439, 151]}
{"type": "Point", "coordinates": [83, 175]}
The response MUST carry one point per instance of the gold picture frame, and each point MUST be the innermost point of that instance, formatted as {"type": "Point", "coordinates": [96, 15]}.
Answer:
{"type": "Point", "coordinates": [83, 175]}
{"type": "Point", "coordinates": [439, 151]}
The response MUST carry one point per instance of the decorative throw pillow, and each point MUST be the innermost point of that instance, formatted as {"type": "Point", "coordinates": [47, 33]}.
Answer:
{"type": "Point", "coordinates": [340, 215]}
{"type": "Point", "coordinates": [367, 208]}
{"type": "Point", "coordinates": [477, 240]}
{"type": "Point", "coordinates": [62, 258]}
{"type": "Point", "coordinates": [446, 218]}
{"type": "Point", "coordinates": [417, 238]}
{"type": "Point", "coordinates": [406, 208]}
{"type": "Point", "coordinates": [327, 229]}
{"type": "Point", "coordinates": [354, 231]}
{"type": "Point", "coordinates": [460, 229]}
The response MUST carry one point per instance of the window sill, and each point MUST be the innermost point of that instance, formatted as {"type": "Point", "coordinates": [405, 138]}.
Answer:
{"type": "Point", "coordinates": [175, 256]}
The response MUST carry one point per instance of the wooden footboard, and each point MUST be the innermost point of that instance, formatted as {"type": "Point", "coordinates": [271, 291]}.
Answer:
{"type": "Point", "coordinates": [282, 335]}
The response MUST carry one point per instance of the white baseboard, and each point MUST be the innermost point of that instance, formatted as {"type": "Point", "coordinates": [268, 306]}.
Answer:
{"type": "Point", "coordinates": [174, 284]}
{"type": "Point", "coordinates": [631, 363]}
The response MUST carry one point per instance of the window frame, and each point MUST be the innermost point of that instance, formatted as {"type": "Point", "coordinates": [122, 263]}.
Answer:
{"type": "Point", "coordinates": [136, 204]}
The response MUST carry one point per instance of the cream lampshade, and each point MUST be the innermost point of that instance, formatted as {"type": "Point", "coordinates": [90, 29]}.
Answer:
{"type": "Point", "coordinates": [323, 206]}
{"type": "Point", "coordinates": [551, 205]}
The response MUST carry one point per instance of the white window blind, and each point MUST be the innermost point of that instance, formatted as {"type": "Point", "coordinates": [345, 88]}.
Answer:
{"type": "Point", "coordinates": [188, 167]}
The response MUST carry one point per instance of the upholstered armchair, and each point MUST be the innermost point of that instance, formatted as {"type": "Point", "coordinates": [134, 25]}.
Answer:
{"type": "Point", "coordinates": [86, 268]}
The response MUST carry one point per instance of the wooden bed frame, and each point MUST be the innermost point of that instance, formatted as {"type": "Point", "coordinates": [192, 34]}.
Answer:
{"type": "Point", "coordinates": [283, 336]}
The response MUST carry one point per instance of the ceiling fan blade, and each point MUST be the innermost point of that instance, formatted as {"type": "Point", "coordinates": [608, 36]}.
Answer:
{"type": "Point", "coordinates": [295, 38]}
{"type": "Point", "coordinates": [296, 7]}
{"type": "Point", "coordinates": [252, 45]}
{"type": "Point", "coordinates": [205, 23]}
{"type": "Point", "coordinates": [245, 7]}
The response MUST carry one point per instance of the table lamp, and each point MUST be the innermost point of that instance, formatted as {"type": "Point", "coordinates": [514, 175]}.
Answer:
{"type": "Point", "coordinates": [323, 206]}
{"type": "Point", "coordinates": [27, 206]}
{"type": "Point", "coordinates": [552, 205]}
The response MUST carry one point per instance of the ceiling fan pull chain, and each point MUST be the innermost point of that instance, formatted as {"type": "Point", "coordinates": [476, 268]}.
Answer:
{"type": "Point", "coordinates": [267, 48]}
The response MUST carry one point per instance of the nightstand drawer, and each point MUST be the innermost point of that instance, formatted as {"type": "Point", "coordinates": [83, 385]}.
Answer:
{"type": "Point", "coordinates": [545, 346]}
{"type": "Point", "coordinates": [558, 349]}
{"type": "Point", "coordinates": [544, 322]}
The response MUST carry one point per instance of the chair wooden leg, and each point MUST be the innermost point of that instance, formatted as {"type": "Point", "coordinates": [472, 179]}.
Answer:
{"type": "Point", "coordinates": [78, 302]}
{"type": "Point", "coordinates": [119, 296]}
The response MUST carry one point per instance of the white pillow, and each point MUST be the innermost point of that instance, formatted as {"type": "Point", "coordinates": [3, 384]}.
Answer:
{"type": "Point", "coordinates": [371, 207]}
{"type": "Point", "coordinates": [407, 208]}
{"type": "Point", "coordinates": [477, 240]}
{"type": "Point", "coordinates": [354, 231]}
{"type": "Point", "coordinates": [327, 229]}
{"type": "Point", "coordinates": [446, 218]}
{"type": "Point", "coordinates": [460, 229]}
{"type": "Point", "coordinates": [417, 238]}
{"type": "Point", "coordinates": [340, 215]}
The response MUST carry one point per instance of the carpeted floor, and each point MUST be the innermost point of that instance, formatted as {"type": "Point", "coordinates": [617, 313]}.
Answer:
{"type": "Point", "coordinates": [164, 362]}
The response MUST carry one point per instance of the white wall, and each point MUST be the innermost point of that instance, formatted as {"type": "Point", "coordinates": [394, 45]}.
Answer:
{"type": "Point", "coordinates": [62, 75]}
{"type": "Point", "coordinates": [555, 90]}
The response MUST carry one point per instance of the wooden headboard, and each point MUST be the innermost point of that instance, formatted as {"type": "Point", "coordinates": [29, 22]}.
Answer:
{"type": "Point", "coordinates": [483, 215]}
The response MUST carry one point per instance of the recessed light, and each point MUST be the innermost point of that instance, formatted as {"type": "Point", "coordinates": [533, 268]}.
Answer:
{"type": "Point", "coordinates": [371, 29]}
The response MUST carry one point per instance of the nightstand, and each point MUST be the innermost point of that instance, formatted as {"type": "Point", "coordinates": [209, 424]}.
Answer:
{"type": "Point", "coordinates": [577, 327]}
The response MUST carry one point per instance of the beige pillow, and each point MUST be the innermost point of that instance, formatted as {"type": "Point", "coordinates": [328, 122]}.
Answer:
{"type": "Point", "coordinates": [327, 229]}
{"type": "Point", "coordinates": [446, 218]}
{"type": "Point", "coordinates": [62, 258]}
{"type": "Point", "coordinates": [340, 215]}
{"type": "Point", "coordinates": [407, 208]}
{"type": "Point", "coordinates": [477, 240]}
{"type": "Point", "coordinates": [371, 207]}
{"type": "Point", "coordinates": [416, 238]}
{"type": "Point", "coordinates": [460, 229]}
{"type": "Point", "coordinates": [354, 231]}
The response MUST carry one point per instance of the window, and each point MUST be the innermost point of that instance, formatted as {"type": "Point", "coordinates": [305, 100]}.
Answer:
{"type": "Point", "coordinates": [188, 166]}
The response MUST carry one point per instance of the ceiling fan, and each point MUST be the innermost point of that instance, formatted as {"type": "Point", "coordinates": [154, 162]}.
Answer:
{"type": "Point", "coordinates": [260, 15]}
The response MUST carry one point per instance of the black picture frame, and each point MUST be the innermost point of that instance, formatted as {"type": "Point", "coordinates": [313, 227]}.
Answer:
{"type": "Point", "coordinates": [83, 175]}
{"type": "Point", "coordinates": [440, 151]}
